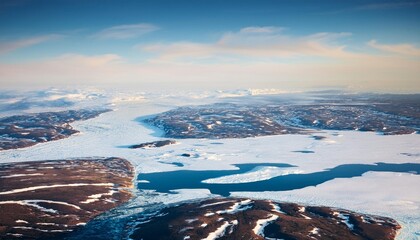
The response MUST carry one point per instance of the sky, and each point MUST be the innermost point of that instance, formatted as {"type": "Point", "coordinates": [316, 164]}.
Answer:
{"type": "Point", "coordinates": [357, 45]}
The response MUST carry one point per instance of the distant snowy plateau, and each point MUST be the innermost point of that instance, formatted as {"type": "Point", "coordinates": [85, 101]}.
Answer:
{"type": "Point", "coordinates": [277, 134]}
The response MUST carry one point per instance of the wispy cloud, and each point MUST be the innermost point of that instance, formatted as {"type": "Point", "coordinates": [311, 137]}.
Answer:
{"type": "Point", "coordinates": [256, 42]}
{"type": "Point", "coordinates": [265, 30]}
{"type": "Point", "coordinates": [126, 31]}
{"type": "Point", "coordinates": [89, 61]}
{"type": "Point", "coordinates": [6, 47]}
{"type": "Point", "coordinates": [403, 49]}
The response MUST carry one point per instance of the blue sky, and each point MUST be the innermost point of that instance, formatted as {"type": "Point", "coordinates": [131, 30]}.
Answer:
{"type": "Point", "coordinates": [152, 42]}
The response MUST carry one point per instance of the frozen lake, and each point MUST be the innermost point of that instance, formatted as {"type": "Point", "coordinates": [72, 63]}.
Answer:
{"type": "Point", "coordinates": [167, 182]}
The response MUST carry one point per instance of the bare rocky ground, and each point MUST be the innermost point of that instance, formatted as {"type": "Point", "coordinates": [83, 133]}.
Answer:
{"type": "Point", "coordinates": [384, 114]}
{"type": "Point", "coordinates": [27, 130]}
{"type": "Point", "coordinates": [230, 218]}
{"type": "Point", "coordinates": [47, 199]}
{"type": "Point", "coordinates": [155, 144]}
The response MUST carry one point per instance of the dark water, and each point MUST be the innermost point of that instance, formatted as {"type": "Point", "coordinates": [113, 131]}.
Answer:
{"type": "Point", "coordinates": [177, 164]}
{"type": "Point", "coordinates": [185, 179]}
{"type": "Point", "coordinates": [304, 151]}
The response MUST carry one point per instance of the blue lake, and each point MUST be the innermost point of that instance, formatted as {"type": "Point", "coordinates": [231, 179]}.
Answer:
{"type": "Point", "coordinates": [187, 179]}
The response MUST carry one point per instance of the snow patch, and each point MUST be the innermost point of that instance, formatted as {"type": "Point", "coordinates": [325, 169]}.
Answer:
{"type": "Point", "coordinates": [21, 175]}
{"type": "Point", "coordinates": [21, 221]}
{"type": "Point", "coordinates": [43, 230]}
{"type": "Point", "coordinates": [214, 204]}
{"type": "Point", "coordinates": [344, 219]}
{"type": "Point", "coordinates": [96, 197]}
{"type": "Point", "coordinates": [314, 231]}
{"type": "Point", "coordinates": [34, 203]}
{"type": "Point", "coordinates": [276, 208]}
{"type": "Point", "coordinates": [220, 232]}
{"type": "Point", "coordinates": [302, 209]}
{"type": "Point", "coordinates": [48, 224]}
{"type": "Point", "coordinates": [54, 186]}
{"type": "Point", "coordinates": [191, 220]}
{"type": "Point", "coordinates": [262, 223]}
{"type": "Point", "coordinates": [237, 207]}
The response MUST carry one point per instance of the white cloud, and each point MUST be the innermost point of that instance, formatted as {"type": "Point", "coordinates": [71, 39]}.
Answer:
{"type": "Point", "coordinates": [89, 61]}
{"type": "Point", "coordinates": [126, 31]}
{"type": "Point", "coordinates": [403, 49]}
{"type": "Point", "coordinates": [267, 29]}
{"type": "Point", "coordinates": [6, 47]}
{"type": "Point", "coordinates": [255, 42]}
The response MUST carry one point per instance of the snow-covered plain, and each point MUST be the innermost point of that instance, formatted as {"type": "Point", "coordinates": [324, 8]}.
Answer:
{"type": "Point", "coordinates": [389, 194]}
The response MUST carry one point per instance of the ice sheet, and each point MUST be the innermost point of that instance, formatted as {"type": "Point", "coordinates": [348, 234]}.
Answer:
{"type": "Point", "coordinates": [256, 174]}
